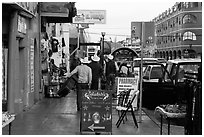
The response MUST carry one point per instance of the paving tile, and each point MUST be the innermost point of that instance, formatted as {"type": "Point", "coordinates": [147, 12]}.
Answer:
{"type": "Point", "coordinates": [58, 116]}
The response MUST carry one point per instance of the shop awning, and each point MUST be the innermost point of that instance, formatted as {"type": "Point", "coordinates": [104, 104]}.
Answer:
{"type": "Point", "coordinates": [58, 12]}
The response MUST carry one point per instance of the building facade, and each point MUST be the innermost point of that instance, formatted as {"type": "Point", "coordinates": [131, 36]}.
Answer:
{"type": "Point", "coordinates": [143, 35]}
{"type": "Point", "coordinates": [23, 26]}
{"type": "Point", "coordinates": [178, 31]}
{"type": "Point", "coordinates": [20, 51]}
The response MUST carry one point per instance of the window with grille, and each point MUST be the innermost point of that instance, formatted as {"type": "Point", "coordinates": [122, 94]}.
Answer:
{"type": "Point", "coordinates": [188, 18]}
{"type": "Point", "coordinates": [189, 35]}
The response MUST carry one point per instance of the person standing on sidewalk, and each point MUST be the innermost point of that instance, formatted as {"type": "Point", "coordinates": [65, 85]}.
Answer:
{"type": "Point", "coordinates": [84, 78]}
{"type": "Point", "coordinates": [97, 71]}
{"type": "Point", "coordinates": [123, 69]}
{"type": "Point", "coordinates": [111, 71]}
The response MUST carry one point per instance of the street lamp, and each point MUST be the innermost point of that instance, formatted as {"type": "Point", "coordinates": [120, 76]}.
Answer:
{"type": "Point", "coordinates": [102, 48]}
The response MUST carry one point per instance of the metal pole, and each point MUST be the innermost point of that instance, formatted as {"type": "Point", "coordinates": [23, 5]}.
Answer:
{"type": "Point", "coordinates": [102, 59]}
{"type": "Point", "coordinates": [78, 29]}
{"type": "Point", "coordinates": [141, 73]}
{"type": "Point", "coordinates": [102, 50]}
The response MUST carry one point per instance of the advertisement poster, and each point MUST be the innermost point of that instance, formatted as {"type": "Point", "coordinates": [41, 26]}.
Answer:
{"type": "Point", "coordinates": [96, 114]}
{"type": "Point", "coordinates": [125, 83]}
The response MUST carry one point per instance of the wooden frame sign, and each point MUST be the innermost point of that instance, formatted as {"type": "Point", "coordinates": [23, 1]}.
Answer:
{"type": "Point", "coordinates": [96, 113]}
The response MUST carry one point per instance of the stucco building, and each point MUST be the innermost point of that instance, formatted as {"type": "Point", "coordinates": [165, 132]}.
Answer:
{"type": "Point", "coordinates": [178, 31]}
{"type": "Point", "coordinates": [23, 23]}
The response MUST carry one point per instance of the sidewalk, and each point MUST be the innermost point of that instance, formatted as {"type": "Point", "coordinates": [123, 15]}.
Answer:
{"type": "Point", "coordinates": [58, 116]}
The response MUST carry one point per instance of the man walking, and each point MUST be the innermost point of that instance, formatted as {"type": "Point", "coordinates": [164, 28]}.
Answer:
{"type": "Point", "coordinates": [97, 71]}
{"type": "Point", "coordinates": [84, 78]}
{"type": "Point", "coordinates": [111, 70]}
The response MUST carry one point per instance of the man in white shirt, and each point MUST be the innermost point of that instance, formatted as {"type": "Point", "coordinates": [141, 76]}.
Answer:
{"type": "Point", "coordinates": [84, 78]}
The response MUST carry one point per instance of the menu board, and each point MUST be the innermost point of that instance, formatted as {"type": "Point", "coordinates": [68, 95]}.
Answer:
{"type": "Point", "coordinates": [96, 113]}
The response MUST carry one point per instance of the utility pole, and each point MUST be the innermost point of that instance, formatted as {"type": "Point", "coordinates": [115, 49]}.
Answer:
{"type": "Point", "coordinates": [141, 72]}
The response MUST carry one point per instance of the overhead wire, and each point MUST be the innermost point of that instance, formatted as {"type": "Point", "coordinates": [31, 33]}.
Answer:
{"type": "Point", "coordinates": [109, 34]}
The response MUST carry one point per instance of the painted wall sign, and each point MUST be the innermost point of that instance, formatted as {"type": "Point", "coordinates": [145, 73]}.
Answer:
{"type": "Point", "coordinates": [22, 24]}
{"type": "Point", "coordinates": [32, 85]}
{"type": "Point", "coordinates": [96, 113]}
{"type": "Point", "coordinates": [90, 16]}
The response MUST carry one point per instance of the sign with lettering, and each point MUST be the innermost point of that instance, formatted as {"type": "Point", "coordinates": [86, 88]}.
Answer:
{"type": "Point", "coordinates": [90, 16]}
{"type": "Point", "coordinates": [22, 24]}
{"type": "Point", "coordinates": [32, 84]}
{"type": "Point", "coordinates": [96, 113]}
{"type": "Point", "coordinates": [125, 83]}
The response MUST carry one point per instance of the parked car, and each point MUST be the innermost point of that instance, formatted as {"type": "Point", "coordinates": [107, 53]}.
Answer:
{"type": "Point", "coordinates": [161, 60]}
{"type": "Point", "coordinates": [153, 73]}
{"type": "Point", "coordinates": [137, 64]}
{"type": "Point", "coordinates": [169, 89]}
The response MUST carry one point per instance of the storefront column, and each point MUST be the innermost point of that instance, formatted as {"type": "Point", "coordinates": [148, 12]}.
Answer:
{"type": "Point", "coordinates": [66, 48]}
{"type": "Point", "coordinates": [12, 46]}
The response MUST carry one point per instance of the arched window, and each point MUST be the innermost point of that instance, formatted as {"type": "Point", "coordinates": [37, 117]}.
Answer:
{"type": "Point", "coordinates": [188, 18]}
{"type": "Point", "coordinates": [189, 35]}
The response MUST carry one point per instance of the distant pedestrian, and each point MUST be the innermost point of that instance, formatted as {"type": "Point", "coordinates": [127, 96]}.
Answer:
{"type": "Point", "coordinates": [84, 78]}
{"type": "Point", "coordinates": [123, 69]}
{"type": "Point", "coordinates": [111, 71]}
{"type": "Point", "coordinates": [97, 71]}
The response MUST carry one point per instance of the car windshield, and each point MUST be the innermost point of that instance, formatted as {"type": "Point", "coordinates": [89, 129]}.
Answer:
{"type": "Point", "coordinates": [179, 71]}
{"type": "Point", "coordinates": [156, 72]}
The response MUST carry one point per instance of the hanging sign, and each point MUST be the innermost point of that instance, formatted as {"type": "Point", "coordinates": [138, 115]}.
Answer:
{"type": "Point", "coordinates": [90, 16]}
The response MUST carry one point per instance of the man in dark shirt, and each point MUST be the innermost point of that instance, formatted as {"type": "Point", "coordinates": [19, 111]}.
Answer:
{"type": "Point", "coordinates": [111, 70]}
{"type": "Point", "coordinates": [97, 71]}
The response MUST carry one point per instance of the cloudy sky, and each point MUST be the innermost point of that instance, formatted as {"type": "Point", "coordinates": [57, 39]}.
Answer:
{"type": "Point", "coordinates": [120, 14]}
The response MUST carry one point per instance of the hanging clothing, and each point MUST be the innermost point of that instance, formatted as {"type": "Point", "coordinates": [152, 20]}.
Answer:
{"type": "Point", "coordinates": [54, 44]}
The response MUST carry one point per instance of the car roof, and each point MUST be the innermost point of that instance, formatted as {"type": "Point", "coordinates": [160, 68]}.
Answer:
{"type": "Point", "coordinates": [146, 59]}
{"type": "Point", "coordinates": [154, 66]}
{"type": "Point", "coordinates": [185, 60]}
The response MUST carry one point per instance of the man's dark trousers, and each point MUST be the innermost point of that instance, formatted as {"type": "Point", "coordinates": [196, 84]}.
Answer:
{"type": "Point", "coordinates": [80, 87]}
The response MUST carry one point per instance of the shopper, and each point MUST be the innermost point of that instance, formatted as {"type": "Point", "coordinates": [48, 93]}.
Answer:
{"type": "Point", "coordinates": [97, 71]}
{"type": "Point", "coordinates": [84, 78]}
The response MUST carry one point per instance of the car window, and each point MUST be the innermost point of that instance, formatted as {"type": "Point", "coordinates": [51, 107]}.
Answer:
{"type": "Point", "coordinates": [187, 69]}
{"type": "Point", "coordinates": [168, 68]}
{"type": "Point", "coordinates": [147, 71]}
{"type": "Point", "coordinates": [193, 68]}
{"type": "Point", "coordinates": [173, 71]}
{"type": "Point", "coordinates": [181, 74]}
{"type": "Point", "coordinates": [156, 73]}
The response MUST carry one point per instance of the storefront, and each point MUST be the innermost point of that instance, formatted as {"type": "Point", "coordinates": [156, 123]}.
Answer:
{"type": "Point", "coordinates": [55, 43]}
{"type": "Point", "coordinates": [20, 48]}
